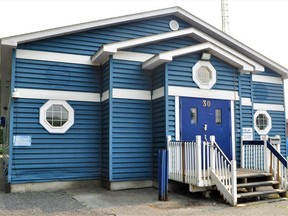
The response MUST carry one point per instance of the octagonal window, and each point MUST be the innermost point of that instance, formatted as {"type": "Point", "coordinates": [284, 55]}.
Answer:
{"type": "Point", "coordinates": [56, 116]}
{"type": "Point", "coordinates": [204, 74]}
{"type": "Point", "coordinates": [262, 122]}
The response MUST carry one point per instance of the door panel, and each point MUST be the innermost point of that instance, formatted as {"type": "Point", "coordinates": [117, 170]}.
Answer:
{"type": "Point", "coordinates": [205, 117]}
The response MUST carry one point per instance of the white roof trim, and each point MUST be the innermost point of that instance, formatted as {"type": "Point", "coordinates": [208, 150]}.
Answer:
{"type": "Point", "coordinates": [108, 49]}
{"type": "Point", "coordinates": [217, 51]}
{"type": "Point", "coordinates": [112, 48]}
{"type": "Point", "coordinates": [235, 44]}
{"type": "Point", "coordinates": [24, 38]}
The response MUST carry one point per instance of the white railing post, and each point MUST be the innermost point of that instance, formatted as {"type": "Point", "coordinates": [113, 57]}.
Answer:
{"type": "Point", "coordinates": [266, 155]}
{"type": "Point", "coordinates": [199, 160]}
{"type": "Point", "coordinates": [168, 140]}
{"type": "Point", "coordinates": [242, 153]}
{"type": "Point", "coordinates": [212, 153]}
{"type": "Point", "coordinates": [234, 182]}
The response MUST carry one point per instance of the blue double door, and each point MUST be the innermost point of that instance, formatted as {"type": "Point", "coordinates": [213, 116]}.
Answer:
{"type": "Point", "coordinates": [205, 117]}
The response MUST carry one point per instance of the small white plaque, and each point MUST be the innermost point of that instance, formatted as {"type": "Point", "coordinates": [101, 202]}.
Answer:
{"type": "Point", "coordinates": [22, 140]}
{"type": "Point", "coordinates": [247, 133]}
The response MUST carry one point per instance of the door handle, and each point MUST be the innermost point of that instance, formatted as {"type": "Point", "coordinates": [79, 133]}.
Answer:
{"type": "Point", "coordinates": [205, 127]}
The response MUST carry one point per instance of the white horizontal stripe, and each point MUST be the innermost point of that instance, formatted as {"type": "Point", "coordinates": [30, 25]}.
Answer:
{"type": "Point", "coordinates": [271, 107]}
{"type": "Point", "coordinates": [55, 95]}
{"type": "Point", "coordinates": [131, 94]}
{"type": "Point", "coordinates": [132, 56]}
{"type": "Point", "coordinates": [105, 96]}
{"type": "Point", "coordinates": [52, 56]}
{"type": "Point", "coordinates": [158, 93]}
{"type": "Point", "coordinates": [267, 79]}
{"type": "Point", "coordinates": [202, 93]}
{"type": "Point", "coordinates": [246, 102]}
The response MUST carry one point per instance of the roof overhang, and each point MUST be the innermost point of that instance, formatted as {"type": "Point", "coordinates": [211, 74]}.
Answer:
{"type": "Point", "coordinates": [168, 56]}
{"type": "Point", "coordinates": [197, 23]}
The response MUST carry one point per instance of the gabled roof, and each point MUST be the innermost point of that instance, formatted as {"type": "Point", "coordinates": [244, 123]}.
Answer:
{"type": "Point", "coordinates": [210, 31]}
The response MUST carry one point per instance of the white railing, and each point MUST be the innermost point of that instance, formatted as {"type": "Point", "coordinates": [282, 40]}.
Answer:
{"type": "Point", "coordinates": [265, 155]}
{"type": "Point", "coordinates": [223, 172]}
{"type": "Point", "coordinates": [189, 162]}
{"type": "Point", "coordinates": [278, 165]}
{"type": "Point", "coordinates": [252, 155]}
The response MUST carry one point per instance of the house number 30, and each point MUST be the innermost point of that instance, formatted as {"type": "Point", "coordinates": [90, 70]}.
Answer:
{"type": "Point", "coordinates": [206, 103]}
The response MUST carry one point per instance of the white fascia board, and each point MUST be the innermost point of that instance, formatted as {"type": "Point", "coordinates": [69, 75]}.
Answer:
{"type": "Point", "coordinates": [132, 56]}
{"type": "Point", "coordinates": [267, 79]}
{"type": "Point", "coordinates": [52, 56]}
{"type": "Point", "coordinates": [154, 62]}
{"type": "Point", "coordinates": [202, 93]}
{"type": "Point", "coordinates": [55, 95]}
{"type": "Point", "coordinates": [271, 107]}
{"type": "Point", "coordinates": [131, 94]}
{"type": "Point", "coordinates": [217, 51]}
{"type": "Point", "coordinates": [112, 48]}
{"type": "Point", "coordinates": [24, 38]}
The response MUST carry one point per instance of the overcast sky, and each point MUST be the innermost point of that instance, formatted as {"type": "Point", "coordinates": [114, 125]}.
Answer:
{"type": "Point", "coordinates": [260, 24]}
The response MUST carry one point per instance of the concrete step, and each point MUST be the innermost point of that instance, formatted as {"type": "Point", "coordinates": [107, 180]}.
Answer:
{"type": "Point", "coordinates": [257, 184]}
{"type": "Point", "coordinates": [260, 193]}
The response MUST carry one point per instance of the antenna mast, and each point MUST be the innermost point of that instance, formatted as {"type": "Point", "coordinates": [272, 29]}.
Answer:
{"type": "Point", "coordinates": [225, 17]}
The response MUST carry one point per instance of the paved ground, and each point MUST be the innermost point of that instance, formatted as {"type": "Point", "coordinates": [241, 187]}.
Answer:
{"type": "Point", "coordinates": [99, 201]}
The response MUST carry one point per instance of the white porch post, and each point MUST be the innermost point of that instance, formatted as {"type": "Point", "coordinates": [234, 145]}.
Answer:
{"type": "Point", "coordinates": [266, 155]}
{"type": "Point", "coordinates": [199, 161]}
{"type": "Point", "coordinates": [212, 153]}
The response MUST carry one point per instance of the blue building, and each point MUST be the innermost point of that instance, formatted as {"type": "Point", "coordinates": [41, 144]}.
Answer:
{"type": "Point", "coordinates": [94, 102]}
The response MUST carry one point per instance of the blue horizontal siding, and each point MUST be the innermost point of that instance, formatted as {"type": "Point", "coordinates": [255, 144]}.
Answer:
{"type": "Point", "coordinates": [132, 140]}
{"type": "Point", "coordinates": [269, 72]}
{"type": "Point", "coordinates": [158, 77]}
{"type": "Point", "coordinates": [268, 93]}
{"type": "Point", "coordinates": [74, 155]}
{"type": "Point", "coordinates": [88, 42]}
{"type": "Point", "coordinates": [105, 140]}
{"type": "Point", "coordinates": [129, 75]}
{"type": "Point", "coordinates": [180, 72]}
{"type": "Point", "coordinates": [158, 126]}
{"type": "Point", "coordinates": [56, 76]}
{"type": "Point", "coordinates": [162, 46]}
{"type": "Point", "coordinates": [245, 87]}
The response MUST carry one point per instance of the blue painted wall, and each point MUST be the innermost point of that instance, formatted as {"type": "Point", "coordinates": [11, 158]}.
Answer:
{"type": "Point", "coordinates": [56, 76]}
{"type": "Point", "coordinates": [88, 42]}
{"type": "Point", "coordinates": [74, 155]}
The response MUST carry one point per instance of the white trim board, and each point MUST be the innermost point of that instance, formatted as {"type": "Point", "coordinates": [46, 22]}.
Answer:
{"type": "Point", "coordinates": [52, 56]}
{"type": "Point", "coordinates": [177, 118]}
{"type": "Point", "coordinates": [132, 56]}
{"type": "Point", "coordinates": [158, 93]}
{"type": "Point", "coordinates": [55, 95]}
{"type": "Point", "coordinates": [233, 136]}
{"type": "Point", "coordinates": [246, 101]}
{"type": "Point", "coordinates": [131, 94]}
{"type": "Point", "coordinates": [267, 79]}
{"type": "Point", "coordinates": [202, 93]}
{"type": "Point", "coordinates": [105, 96]}
{"type": "Point", "coordinates": [271, 107]}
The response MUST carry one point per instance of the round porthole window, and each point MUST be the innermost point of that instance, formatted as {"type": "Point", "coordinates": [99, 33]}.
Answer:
{"type": "Point", "coordinates": [174, 25]}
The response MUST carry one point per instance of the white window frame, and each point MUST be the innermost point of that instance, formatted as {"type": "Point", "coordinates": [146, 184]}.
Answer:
{"type": "Point", "coordinates": [195, 70]}
{"type": "Point", "coordinates": [47, 125]}
{"type": "Point", "coordinates": [269, 122]}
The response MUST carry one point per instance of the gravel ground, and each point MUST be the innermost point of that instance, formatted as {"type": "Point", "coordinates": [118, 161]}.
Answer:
{"type": "Point", "coordinates": [99, 201]}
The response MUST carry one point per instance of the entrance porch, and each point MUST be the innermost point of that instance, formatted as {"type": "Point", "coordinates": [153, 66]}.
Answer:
{"type": "Point", "coordinates": [204, 166]}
